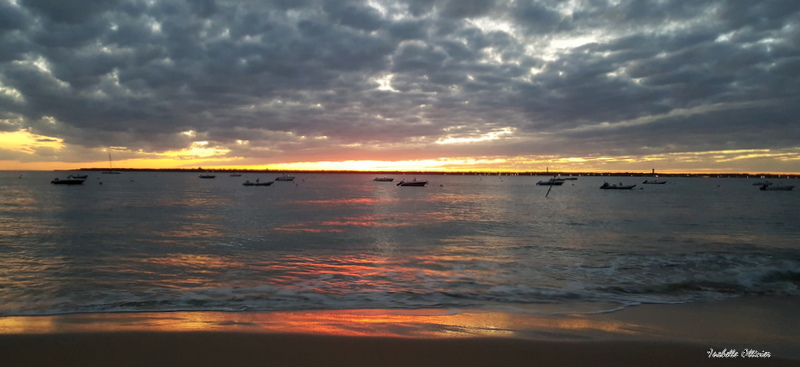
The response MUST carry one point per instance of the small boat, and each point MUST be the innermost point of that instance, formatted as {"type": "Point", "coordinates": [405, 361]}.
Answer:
{"type": "Point", "coordinates": [236, 175]}
{"type": "Point", "coordinates": [383, 179]}
{"type": "Point", "coordinates": [68, 181]}
{"type": "Point", "coordinates": [110, 167]}
{"type": "Point", "coordinates": [654, 182]}
{"type": "Point", "coordinates": [771, 187]}
{"type": "Point", "coordinates": [607, 186]}
{"type": "Point", "coordinates": [762, 183]}
{"type": "Point", "coordinates": [78, 177]}
{"type": "Point", "coordinates": [257, 183]}
{"type": "Point", "coordinates": [551, 182]}
{"type": "Point", "coordinates": [412, 183]}
{"type": "Point", "coordinates": [285, 178]}
{"type": "Point", "coordinates": [207, 176]}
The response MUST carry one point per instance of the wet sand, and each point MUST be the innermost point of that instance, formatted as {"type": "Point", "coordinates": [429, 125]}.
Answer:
{"type": "Point", "coordinates": [653, 335]}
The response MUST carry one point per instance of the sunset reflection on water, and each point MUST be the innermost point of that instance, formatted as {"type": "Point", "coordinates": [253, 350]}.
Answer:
{"type": "Point", "coordinates": [215, 255]}
{"type": "Point", "coordinates": [369, 220]}
{"type": "Point", "coordinates": [344, 201]}
{"type": "Point", "coordinates": [347, 273]}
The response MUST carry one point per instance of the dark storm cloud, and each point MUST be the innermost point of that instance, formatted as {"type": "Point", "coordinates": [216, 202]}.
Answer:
{"type": "Point", "coordinates": [538, 18]}
{"type": "Point", "coordinates": [146, 75]}
{"type": "Point", "coordinates": [11, 18]}
{"type": "Point", "coordinates": [466, 8]}
{"type": "Point", "coordinates": [69, 11]}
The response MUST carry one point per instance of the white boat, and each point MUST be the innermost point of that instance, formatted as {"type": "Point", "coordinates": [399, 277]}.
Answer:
{"type": "Point", "coordinates": [285, 178]}
{"type": "Point", "coordinates": [607, 186]}
{"type": "Point", "coordinates": [654, 182]}
{"type": "Point", "coordinates": [383, 179]}
{"type": "Point", "coordinates": [771, 187]}
{"type": "Point", "coordinates": [412, 183]}
{"type": "Point", "coordinates": [552, 182]}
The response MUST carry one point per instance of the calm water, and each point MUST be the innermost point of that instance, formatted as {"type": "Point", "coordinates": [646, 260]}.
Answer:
{"type": "Point", "coordinates": [171, 241]}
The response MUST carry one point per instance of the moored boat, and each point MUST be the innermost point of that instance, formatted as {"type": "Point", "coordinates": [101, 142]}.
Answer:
{"type": "Point", "coordinates": [110, 167]}
{"type": "Point", "coordinates": [78, 177]}
{"type": "Point", "coordinates": [654, 182]}
{"type": "Point", "coordinates": [207, 176]}
{"type": "Point", "coordinates": [383, 179]}
{"type": "Point", "coordinates": [412, 183]}
{"type": "Point", "coordinates": [68, 181]}
{"type": "Point", "coordinates": [552, 182]}
{"type": "Point", "coordinates": [607, 186]}
{"type": "Point", "coordinates": [285, 178]}
{"type": "Point", "coordinates": [257, 183]}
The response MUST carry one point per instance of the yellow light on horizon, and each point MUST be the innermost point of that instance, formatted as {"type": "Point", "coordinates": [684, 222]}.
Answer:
{"type": "Point", "coordinates": [493, 135]}
{"type": "Point", "coordinates": [366, 165]}
{"type": "Point", "coordinates": [27, 142]}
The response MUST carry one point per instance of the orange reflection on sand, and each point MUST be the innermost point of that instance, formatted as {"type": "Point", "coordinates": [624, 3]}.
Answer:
{"type": "Point", "coordinates": [372, 323]}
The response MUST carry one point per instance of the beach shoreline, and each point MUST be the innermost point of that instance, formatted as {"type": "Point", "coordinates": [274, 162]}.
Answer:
{"type": "Point", "coordinates": [759, 330]}
{"type": "Point", "coordinates": [267, 349]}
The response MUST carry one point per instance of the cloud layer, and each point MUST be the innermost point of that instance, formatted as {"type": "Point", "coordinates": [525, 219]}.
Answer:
{"type": "Point", "coordinates": [261, 82]}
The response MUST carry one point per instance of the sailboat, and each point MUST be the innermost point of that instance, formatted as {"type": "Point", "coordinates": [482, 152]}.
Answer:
{"type": "Point", "coordinates": [110, 167]}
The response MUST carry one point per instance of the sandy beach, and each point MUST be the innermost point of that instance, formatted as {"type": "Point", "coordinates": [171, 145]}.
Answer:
{"type": "Point", "coordinates": [742, 332]}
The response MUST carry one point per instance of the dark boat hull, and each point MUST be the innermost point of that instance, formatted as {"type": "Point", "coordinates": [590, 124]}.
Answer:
{"type": "Point", "coordinates": [67, 182]}
{"type": "Point", "coordinates": [412, 183]}
{"type": "Point", "coordinates": [257, 183]}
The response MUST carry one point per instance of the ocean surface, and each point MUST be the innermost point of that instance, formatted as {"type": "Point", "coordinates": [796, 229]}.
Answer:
{"type": "Point", "coordinates": [144, 241]}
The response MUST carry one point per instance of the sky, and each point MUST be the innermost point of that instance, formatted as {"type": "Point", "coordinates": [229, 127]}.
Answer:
{"type": "Point", "coordinates": [443, 85]}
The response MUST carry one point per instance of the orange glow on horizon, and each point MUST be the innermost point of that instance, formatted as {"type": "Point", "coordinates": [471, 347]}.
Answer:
{"type": "Point", "coordinates": [6, 165]}
{"type": "Point", "coordinates": [40, 153]}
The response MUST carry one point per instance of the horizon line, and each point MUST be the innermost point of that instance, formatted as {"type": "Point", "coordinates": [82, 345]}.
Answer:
{"type": "Point", "coordinates": [446, 172]}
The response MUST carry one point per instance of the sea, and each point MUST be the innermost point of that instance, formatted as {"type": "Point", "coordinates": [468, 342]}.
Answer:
{"type": "Point", "coordinates": [171, 241]}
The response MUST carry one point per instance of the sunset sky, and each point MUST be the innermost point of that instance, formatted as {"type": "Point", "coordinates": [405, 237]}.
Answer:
{"type": "Point", "coordinates": [584, 85]}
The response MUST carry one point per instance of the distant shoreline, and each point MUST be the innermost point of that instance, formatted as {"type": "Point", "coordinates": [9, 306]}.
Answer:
{"type": "Point", "coordinates": [466, 173]}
